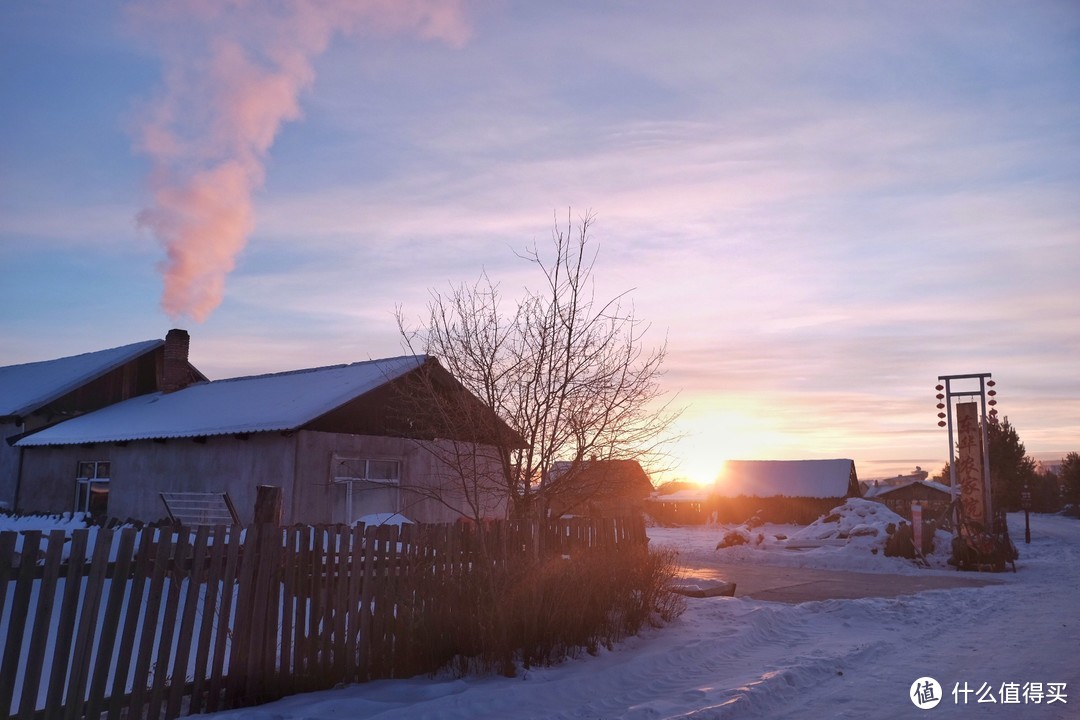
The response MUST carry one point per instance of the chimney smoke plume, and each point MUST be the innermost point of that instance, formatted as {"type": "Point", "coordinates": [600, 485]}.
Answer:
{"type": "Point", "coordinates": [234, 71]}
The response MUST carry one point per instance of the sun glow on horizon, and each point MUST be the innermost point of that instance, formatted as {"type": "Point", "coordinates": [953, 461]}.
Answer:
{"type": "Point", "coordinates": [716, 430]}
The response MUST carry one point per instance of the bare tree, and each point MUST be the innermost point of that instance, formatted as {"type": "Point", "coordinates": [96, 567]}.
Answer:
{"type": "Point", "coordinates": [568, 372]}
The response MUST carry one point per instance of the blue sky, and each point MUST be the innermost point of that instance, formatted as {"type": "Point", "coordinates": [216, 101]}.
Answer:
{"type": "Point", "coordinates": [821, 206]}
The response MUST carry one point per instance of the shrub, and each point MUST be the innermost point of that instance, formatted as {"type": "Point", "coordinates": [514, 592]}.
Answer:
{"type": "Point", "coordinates": [494, 617]}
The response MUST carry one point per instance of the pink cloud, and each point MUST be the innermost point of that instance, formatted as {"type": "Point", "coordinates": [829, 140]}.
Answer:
{"type": "Point", "coordinates": [234, 73]}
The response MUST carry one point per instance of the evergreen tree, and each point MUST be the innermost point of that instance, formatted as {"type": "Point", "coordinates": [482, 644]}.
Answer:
{"type": "Point", "coordinates": [1070, 478]}
{"type": "Point", "coordinates": [1010, 467]}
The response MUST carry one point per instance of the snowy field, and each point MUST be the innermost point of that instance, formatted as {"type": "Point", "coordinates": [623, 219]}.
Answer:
{"type": "Point", "coordinates": [1015, 642]}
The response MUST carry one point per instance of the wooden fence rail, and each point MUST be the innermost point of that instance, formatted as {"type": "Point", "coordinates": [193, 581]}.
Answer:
{"type": "Point", "coordinates": [158, 623]}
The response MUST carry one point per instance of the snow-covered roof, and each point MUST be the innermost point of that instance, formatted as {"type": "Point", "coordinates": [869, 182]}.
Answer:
{"type": "Point", "coordinates": [879, 490]}
{"type": "Point", "coordinates": [27, 387]}
{"type": "Point", "coordinates": [790, 478]}
{"type": "Point", "coordinates": [696, 495]}
{"type": "Point", "coordinates": [261, 403]}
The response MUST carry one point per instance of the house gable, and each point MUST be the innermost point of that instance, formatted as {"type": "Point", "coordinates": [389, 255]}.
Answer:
{"type": "Point", "coordinates": [424, 404]}
{"type": "Point", "coordinates": [74, 383]}
{"type": "Point", "coordinates": [40, 394]}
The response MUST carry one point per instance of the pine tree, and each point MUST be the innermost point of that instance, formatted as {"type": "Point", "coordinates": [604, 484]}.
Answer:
{"type": "Point", "coordinates": [1070, 478]}
{"type": "Point", "coordinates": [1010, 467]}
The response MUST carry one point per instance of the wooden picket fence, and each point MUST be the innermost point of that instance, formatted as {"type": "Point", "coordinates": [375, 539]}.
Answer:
{"type": "Point", "coordinates": [160, 623]}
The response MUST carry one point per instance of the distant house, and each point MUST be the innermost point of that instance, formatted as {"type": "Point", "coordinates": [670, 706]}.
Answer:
{"type": "Point", "coordinates": [786, 491]}
{"type": "Point", "coordinates": [896, 481]}
{"type": "Point", "coordinates": [38, 394]}
{"type": "Point", "coordinates": [599, 488]}
{"type": "Point", "coordinates": [934, 497]}
{"type": "Point", "coordinates": [342, 442]}
{"type": "Point", "coordinates": [681, 503]}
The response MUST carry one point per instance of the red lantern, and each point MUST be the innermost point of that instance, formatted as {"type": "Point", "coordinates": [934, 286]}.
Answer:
{"type": "Point", "coordinates": [941, 415]}
{"type": "Point", "coordinates": [940, 396]}
{"type": "Point", "coordinates": [939, 388]}
{"type": "Point", "coordinates": [941, 423]}
{"type": "Point", "coordinates": [990, 383]}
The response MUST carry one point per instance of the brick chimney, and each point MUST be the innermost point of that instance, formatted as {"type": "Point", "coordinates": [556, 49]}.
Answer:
{"type": "Point", "coordinates": [174, 374]}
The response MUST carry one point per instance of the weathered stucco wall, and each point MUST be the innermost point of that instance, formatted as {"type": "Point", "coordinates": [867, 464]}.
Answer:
{"type": "Point", "coordinates": [142, 469]}
{"type": "Point", "coordinates": [300, 463]}
{"type": "Point", "coordinates": [424, 494]}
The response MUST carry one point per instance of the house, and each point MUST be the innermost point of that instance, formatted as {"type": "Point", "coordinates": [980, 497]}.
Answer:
{"type": "Point", "coordinates": [342, 442]}
{"type": "Point", "coordinates": [934, 497]}
{"type": "Point", "coordinates": [681, 503]}
{"type": "Point", "coordinates": [38, 394]}
{"type": "Point", "coordinates": [598, 488]}
{"type": "Point", "coordinates": [895, 481]}
{"type": "Point", "coordinates": [783, 491]}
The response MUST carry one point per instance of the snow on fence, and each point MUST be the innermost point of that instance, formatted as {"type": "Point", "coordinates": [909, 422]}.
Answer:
{"type": "Point", "coordinates": [159, 623]}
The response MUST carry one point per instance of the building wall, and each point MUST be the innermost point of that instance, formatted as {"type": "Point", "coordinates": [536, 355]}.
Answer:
{"type": "Point", "coordinates": [782, 510]}
{"type": "Point", "coordinates": [142, 469]}
{"type": "Point", "coordinates": [935, 503]}
{"type": "Point", "coordinates": [9, 463]}
{"type": "Point", "coordinates": [430, 489]}
{"type": "Point", "coordinates": [300, 463]}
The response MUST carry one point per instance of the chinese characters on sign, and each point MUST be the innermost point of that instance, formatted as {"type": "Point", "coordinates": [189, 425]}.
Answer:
{"type": "Point", "coordinates": [969, 464]}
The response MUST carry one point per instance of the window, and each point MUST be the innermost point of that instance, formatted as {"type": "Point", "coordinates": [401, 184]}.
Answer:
{"type": "Point", "coordinates": [383, 472]}
{"type": "Point", "coordinates": [372, 486]}
{"type": "Point", "coordinates": [92, 487]}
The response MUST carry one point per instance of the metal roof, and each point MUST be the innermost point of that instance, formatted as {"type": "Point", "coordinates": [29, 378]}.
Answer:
{"type": "Point", "coordinates": [789, 478]}
{"type": "Point", "coordinates": [25, 388]}
{"type": "Point", "coordinates": [261, 403]}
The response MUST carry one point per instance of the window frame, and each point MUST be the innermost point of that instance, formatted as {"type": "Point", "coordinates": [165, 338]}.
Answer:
{"type": "Point", "coordinates": [337, 461]}
{"type": "Point", "coordinates": [85, 485]}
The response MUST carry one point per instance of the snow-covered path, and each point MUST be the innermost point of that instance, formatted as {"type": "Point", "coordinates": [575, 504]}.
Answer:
{"type": "Point", "coordinates": [745, 658]}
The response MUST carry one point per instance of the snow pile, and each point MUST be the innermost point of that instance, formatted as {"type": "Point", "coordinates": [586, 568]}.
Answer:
{"type": "Point", "coordinates": [862, 524]}
{"type": "Point", "coordinates": [851, 537]}
{"type": "Point", "coordinates": [44, 523]}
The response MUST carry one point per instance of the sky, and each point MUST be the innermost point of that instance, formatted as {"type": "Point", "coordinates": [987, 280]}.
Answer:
{"type": "Point", "coordinates": [819, 207]}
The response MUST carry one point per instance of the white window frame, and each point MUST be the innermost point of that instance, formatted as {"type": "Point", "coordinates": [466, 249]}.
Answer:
{"type": "Point", "coordinates": [338, 477]}
{"type": "Point", "coordinates": [84, 483]}
{"type": "Point", "coordinates": [356, 463]}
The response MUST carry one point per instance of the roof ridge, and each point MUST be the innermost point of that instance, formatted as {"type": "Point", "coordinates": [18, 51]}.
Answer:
{"type": "Point", "coordinates": [321, 368]}
{"type": "Point", "coordinates": [146, 343]}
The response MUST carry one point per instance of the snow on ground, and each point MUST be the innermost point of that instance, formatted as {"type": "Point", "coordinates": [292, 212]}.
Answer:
{"type": "Point", "coordinates": [735, 658]}
{"type": "Point", "coordinates": [852, 537]}
{"type": "Point", "coordinates": [743, 658]}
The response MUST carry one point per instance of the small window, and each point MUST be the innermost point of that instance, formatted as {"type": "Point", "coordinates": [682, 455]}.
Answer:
{"type": "Point", "coordinates": [384, 472]}
{"type": "Point", "coordinates": [92, 487]}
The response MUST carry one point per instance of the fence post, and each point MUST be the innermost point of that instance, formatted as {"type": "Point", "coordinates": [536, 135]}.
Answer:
{"type": "Point", "coordinates": [268, 505]}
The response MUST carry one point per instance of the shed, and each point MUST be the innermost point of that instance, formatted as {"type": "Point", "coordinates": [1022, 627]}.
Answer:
{"type": "Point", "coordinates": [934, 497]}
{"type": "Point", "coordinates": [598, 488]}
{"type": "Point", "coordinates": [38, 394]}
{"type": "Point", "coordinates": [342, 442]}
{"type": "Point", "coordinates": [785, 491]}
{"type": "Point", "coordinates": [685, 504]}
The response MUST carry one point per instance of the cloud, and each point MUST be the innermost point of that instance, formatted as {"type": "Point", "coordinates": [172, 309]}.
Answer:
{"type": "Point", "coordinates": [234, 74]}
